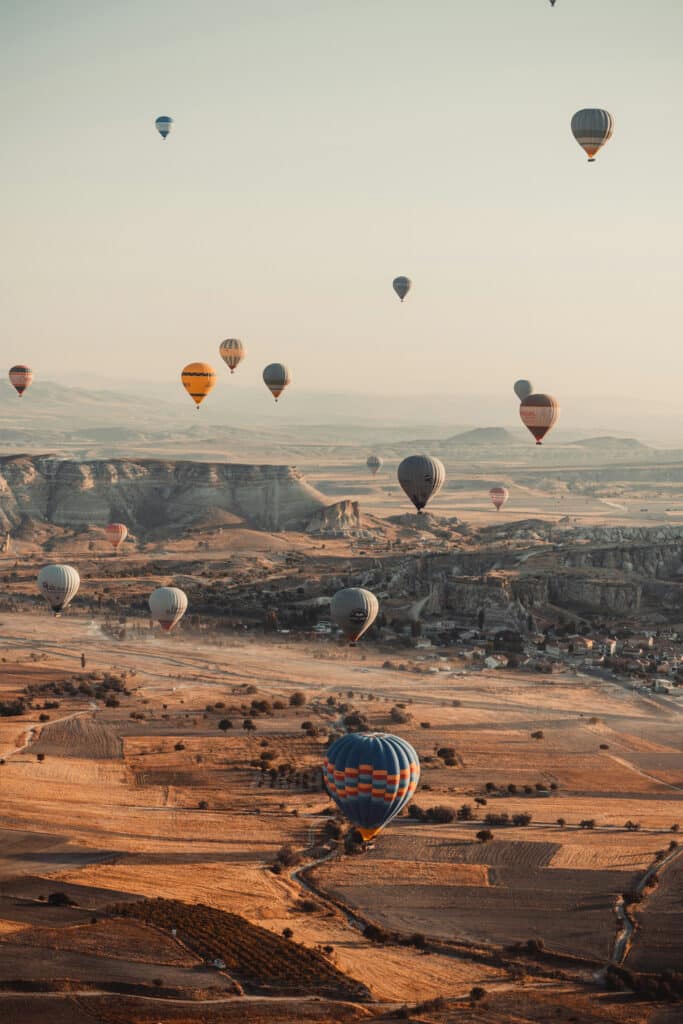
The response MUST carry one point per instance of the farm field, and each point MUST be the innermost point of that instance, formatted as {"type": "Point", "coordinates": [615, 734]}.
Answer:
{"type": "Point", "coordinates": [146, 797]}
{"type": "Point", "coordinates": [658, 942]}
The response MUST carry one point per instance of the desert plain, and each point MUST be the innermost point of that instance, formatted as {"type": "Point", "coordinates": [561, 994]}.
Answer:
{"type": "Point", "coordinates": [167, 849]}
{"type": "Point", "coordinates": [151, 800]}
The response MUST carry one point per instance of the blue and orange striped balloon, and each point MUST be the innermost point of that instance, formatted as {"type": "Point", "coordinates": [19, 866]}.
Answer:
{"type": "Point", "coordinates": [371, 777]}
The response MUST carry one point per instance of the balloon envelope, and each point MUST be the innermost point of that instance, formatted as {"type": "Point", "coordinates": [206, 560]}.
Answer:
{"type": "Point", "coordinates": [168, 605]}
{"type": "Point", "coordinates": [354, 610]}
{"type": "Point", "coordinates": [198, 380]}
{"type": "Point", "coordinates": [164, 125]}
{"type": "Point", "coordinates": [116, 534]}
{"type": "Point", "coordinates": [276, 377]}
{"type": "Point", "coordinates": [371, 777]}
{"type": "Point", "coordinates": [402, 286]}
{"type": "Point", "coordinates": [421, 477]}
{"type": "Point", "coordinates": [232, 352]}
{"type": "Point", "coordinates": [59, 585]}
{"type": "Point", "coordinates": [374, 464]}
{"type": "Point", "coordinates": [592, 128]}
{"type": "Point", "coordinates": [539, 413]}
{"type": "Point", "coordinates": [21, 377]}
{"type": "Point", "coordinates": [499, 496]}
{"type": "Point", "coordinates": [523, 388]}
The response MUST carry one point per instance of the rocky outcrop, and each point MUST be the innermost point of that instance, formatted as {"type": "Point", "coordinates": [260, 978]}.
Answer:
{"type": "Point", "coordinates": [597, 573]}
{"type": "Point", "coordinates": [342, 519]}
{"type": "Point", "coordinates": [579, 593]}
{"type": "Point", "coordinates": [152, 495]}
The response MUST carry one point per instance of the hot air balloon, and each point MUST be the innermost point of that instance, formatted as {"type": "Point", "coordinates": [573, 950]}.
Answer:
{"type": "Point", "coordinates": [232, 352]}
{"type": "Point", "coordinates": [402, 286]}
{"type": "Point", "coordinates": [354, 610]}
{"type": "Point", "coordinates": [499, 497]}
{"type": "Point", "coordinates": [276, 377]}
{"type": "Point", "coordinates": [371, 777]}
{"type": "Point", "coordinates": [198, 379]}
{"type": "Point", "coordinates": [374, 464]}
{"type": "Point", "coordinates": [168, 605]}
{"type": "Point", "coordinates": [59, 585]}
{"type": "Point", "coordinates": [164, 125]}
{"type": "Point", "coordinates": [539, 413]}
{"type": "Point", "coordinates": [21, 377]}
{"type": "Point", "coordinates": [523, 388]}
{"type": "Point", "coordinates": [421, 477]}
{"type": "Point", "coordinates": [116, 533]}
{"type": "Point", "coordinates": [592, 128]}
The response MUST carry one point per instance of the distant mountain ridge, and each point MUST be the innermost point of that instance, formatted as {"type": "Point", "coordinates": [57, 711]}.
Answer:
{"type": "Point", "coordinates": [485, 435]}
{"type": "Point", "coordinates": [609, 442]}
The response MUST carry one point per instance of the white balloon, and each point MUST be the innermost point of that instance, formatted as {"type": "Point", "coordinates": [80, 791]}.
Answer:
{"type": "Point", "coordinates": [168, 605]}
{"type": "Point", "coordinates": [59, 585]}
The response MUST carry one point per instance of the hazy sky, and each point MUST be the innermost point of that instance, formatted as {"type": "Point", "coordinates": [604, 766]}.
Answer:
{"type": "Point", "coordinates": [320, 149]}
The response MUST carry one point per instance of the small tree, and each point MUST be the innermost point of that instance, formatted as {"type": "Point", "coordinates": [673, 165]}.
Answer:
{"type": "Point", "coordinates": [287, 933]}
{"type": "Point", "coordinates": [60, 899]}
{"type": "Point", "coordinates": [477, 994]}
{"type": "Point", "coordinates": [297, 699]}
{"type": "Point", "coordinates": [225, 724]}
{"type": "Point", "coordinates": [248, 725]}
{"type": "Point", "coordinates": [485, 835]}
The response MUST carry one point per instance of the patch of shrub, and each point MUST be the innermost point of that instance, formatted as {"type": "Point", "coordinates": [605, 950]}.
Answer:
{"type": "Point", "coordinates": [398, 716]}
{"type": "Point", "coordinates": [60, 899]}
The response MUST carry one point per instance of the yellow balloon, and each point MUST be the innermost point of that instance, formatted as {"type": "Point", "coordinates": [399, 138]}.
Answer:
{"type": "Point", "coordinates": [198, 379]}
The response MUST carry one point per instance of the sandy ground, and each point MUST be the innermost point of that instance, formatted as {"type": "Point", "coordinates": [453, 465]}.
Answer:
{"type": "Point", "coordinates": [114, 807]}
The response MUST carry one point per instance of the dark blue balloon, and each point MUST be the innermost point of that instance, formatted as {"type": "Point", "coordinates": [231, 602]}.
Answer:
{"type": "Point", "coordinates": [371, 777]}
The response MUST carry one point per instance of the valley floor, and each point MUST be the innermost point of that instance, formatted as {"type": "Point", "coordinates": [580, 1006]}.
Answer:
{"type": "Point", "coordinates": [150, 798]}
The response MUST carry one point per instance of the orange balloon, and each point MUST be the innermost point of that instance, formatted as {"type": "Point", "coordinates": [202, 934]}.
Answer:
{"type": "Point", "coordinates": [20, 378]}
{"type": "Point", "coordinates": [198, 380]}
{"type": "Point", "coordinates": [539, 413]}
{"type": "Point", "coordinates": [116, 534]}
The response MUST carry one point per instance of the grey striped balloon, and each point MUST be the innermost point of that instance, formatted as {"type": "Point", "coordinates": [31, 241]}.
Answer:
{"type": "Point", "coordinates": [354, 610]}
{"type": "Point", "coordinates": [421, 477]}
{"type": "Point", "coordinates": [592, 128]}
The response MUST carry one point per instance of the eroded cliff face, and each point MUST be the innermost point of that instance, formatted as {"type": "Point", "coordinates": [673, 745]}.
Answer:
{"type": "Point", "coordinates": [152, 495]}
{"type": "Point", "coordinates": [342, 519]}
{"type": "Point", "coordinates": [529, 568]}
